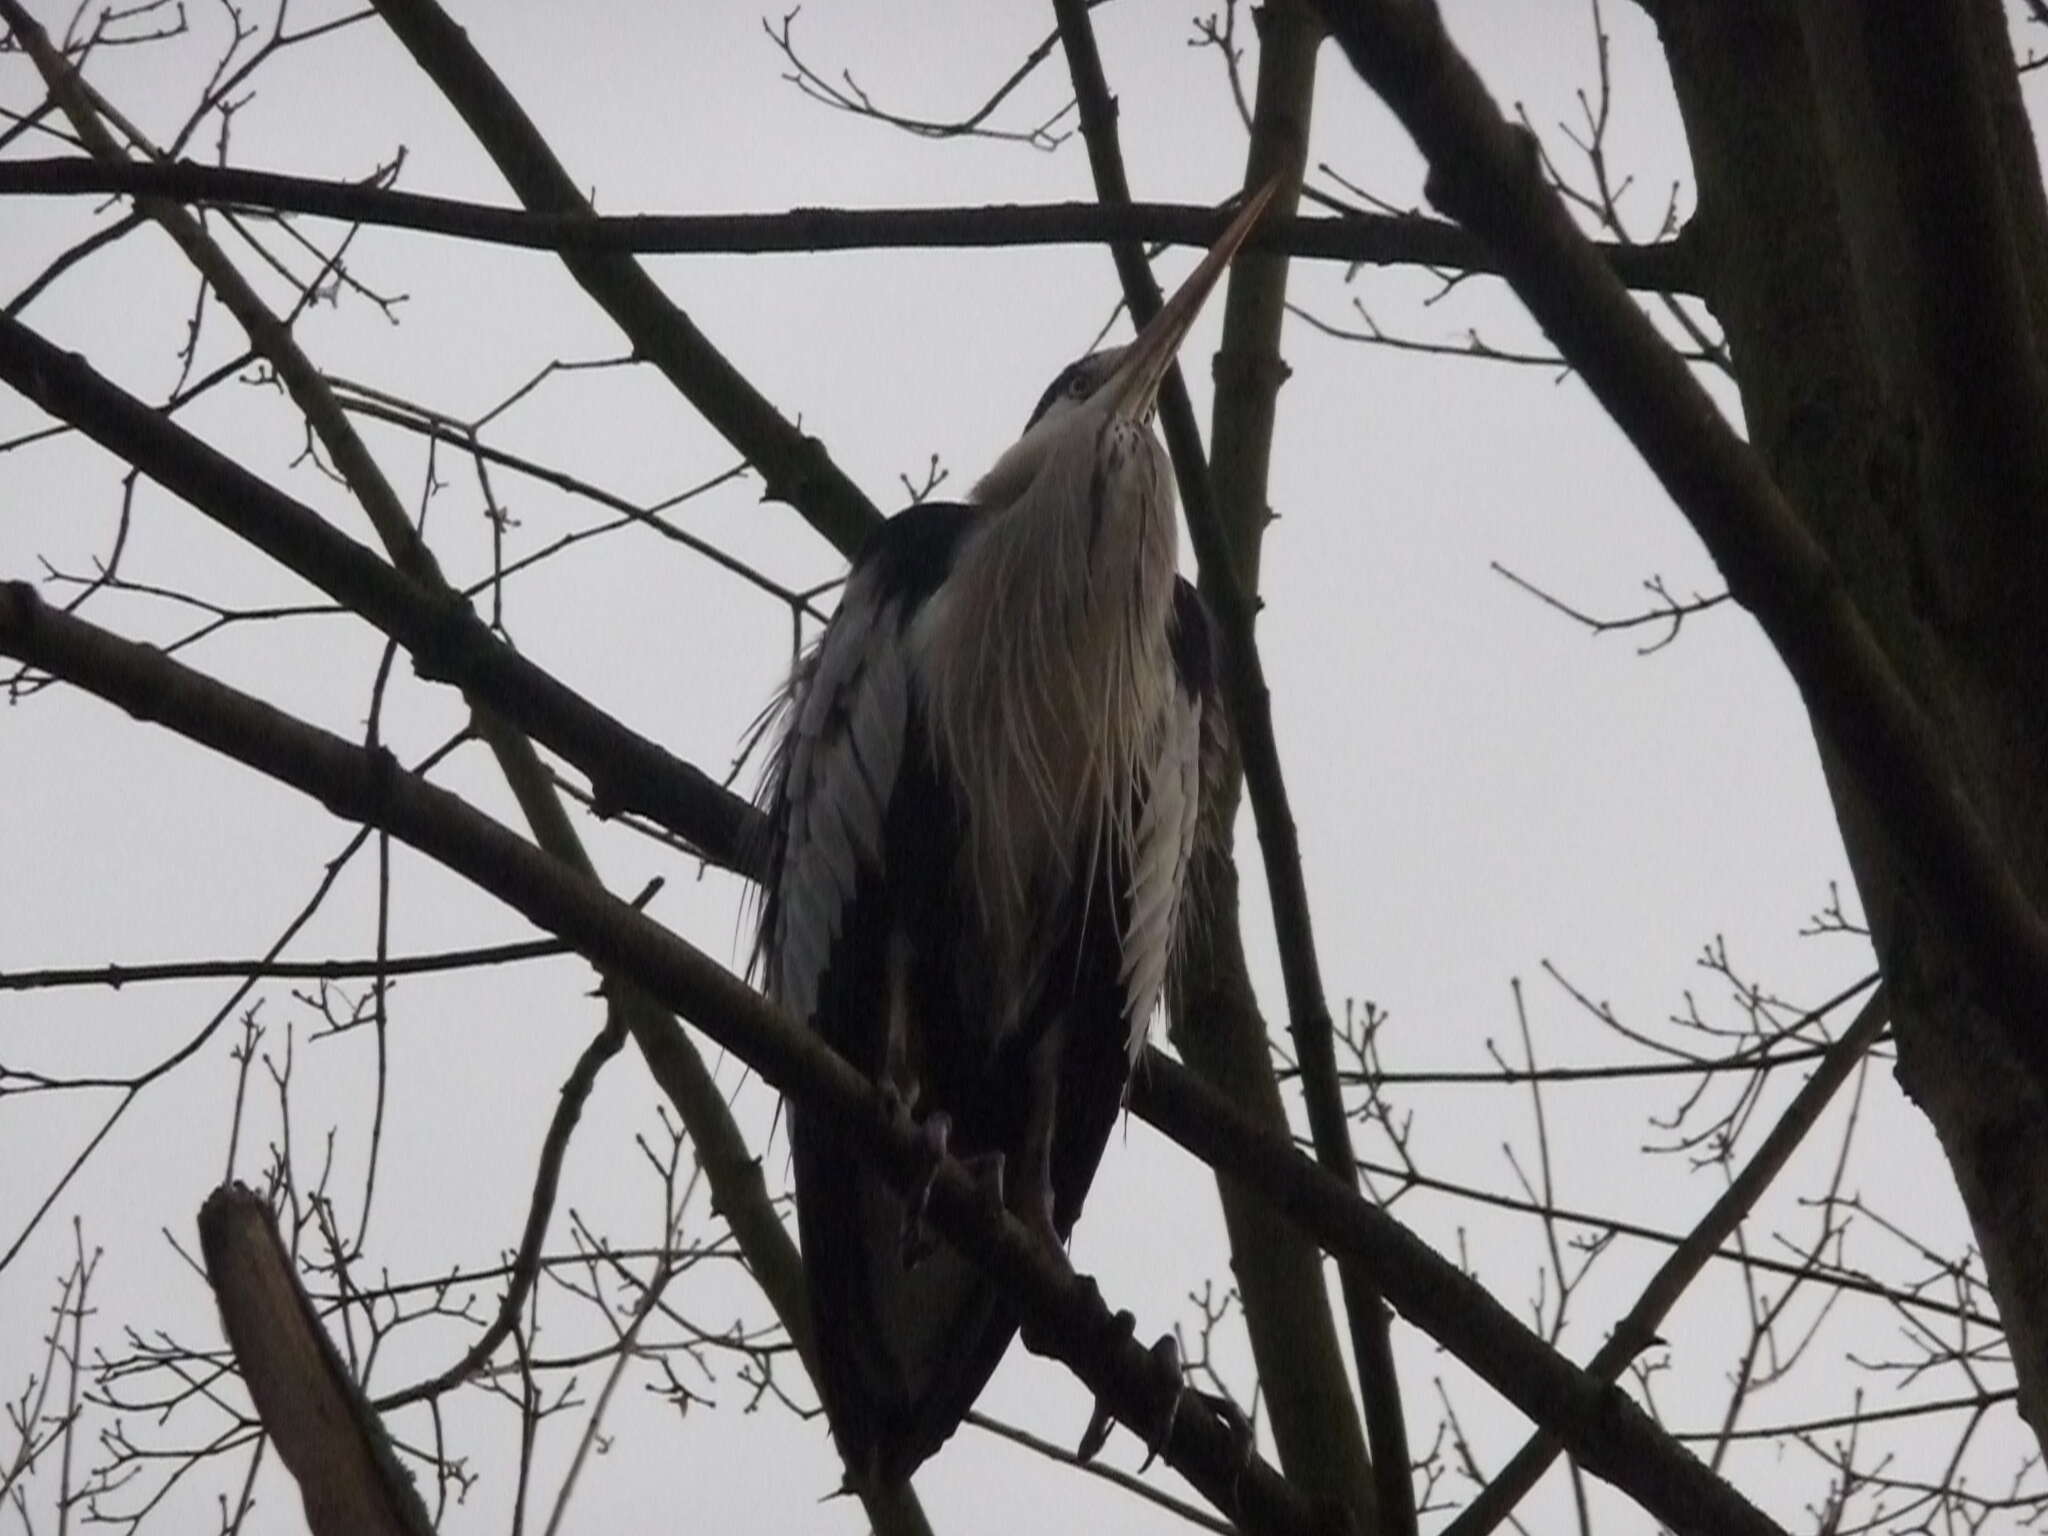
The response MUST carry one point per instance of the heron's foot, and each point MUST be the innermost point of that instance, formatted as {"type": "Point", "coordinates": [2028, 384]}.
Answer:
{"type": "Point", "coordinates": [933, 1133]}
{"type": "Point", "coordinates": [1167, 1387]}
{"type": "Point", "coordinates": [1244, 1443]}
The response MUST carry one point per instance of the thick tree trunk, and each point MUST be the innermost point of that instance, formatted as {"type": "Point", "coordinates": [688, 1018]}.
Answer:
{"type": "Point", "coordinates": [1875, 235]}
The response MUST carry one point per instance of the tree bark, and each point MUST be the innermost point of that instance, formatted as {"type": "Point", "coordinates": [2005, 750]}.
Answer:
{"type": "Point", "coordinates": [327, 1435]}
{"type": "Point", "coordinates": [1871, 225]}
{"type": "Point", "coordinates": [1217, 1025]}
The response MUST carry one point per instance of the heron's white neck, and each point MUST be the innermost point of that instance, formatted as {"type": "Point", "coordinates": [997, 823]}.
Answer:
{"type": "Point", "coordinates": [1048, 662]}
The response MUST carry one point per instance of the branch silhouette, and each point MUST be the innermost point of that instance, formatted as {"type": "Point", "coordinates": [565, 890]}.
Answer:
{"type": "Point", "coordinates": [1600, 1425]}
{"type": "Point", "coordinates": [1371, 239]}
{"type": "Point", "coordinates": [1487, 173]}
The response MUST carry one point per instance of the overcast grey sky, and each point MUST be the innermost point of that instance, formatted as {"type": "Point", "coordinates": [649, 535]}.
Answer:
{"type": "Point", "coordinates": [1480, 786]}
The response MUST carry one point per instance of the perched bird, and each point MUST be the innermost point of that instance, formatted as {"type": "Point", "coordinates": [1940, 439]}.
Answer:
{"type": "Point", "coordinates": [982, 805]}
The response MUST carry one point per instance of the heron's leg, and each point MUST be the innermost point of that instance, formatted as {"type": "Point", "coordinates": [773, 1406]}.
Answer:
{"type": "Point", "coordinates": [984, 1168]}
{"type": "Point", "coordinates": [1033, 1197]}
{"type": "Point", "coordinates": [899, 1089]}
{"type": "Point", "coordinates": [916, 1242]}
{"type": "Point", "coordinates": [898, 1082]}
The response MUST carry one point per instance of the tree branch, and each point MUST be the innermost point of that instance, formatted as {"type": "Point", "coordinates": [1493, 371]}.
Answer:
{"type": "Point", "coordinates": [547, 1179]}
{"type": "Point", "coordinates": [794, 467]}
{"type": "Point", "coordinates": [329, 1438]}
{"type": "Point", "coordinates": [1249, 371]}
{"type": "Point", "coordinates": [118, 976]}
{"type": "Point", "coordinates": [1637, 1331]}
{"type": "Point", "coordinates": [1370, 239]}
{"type": "Point", "coordinates": [1063, 1312]}
{"type": "Point", "coordinates": [733, 1171]}
{"type": "Point", "coordinates": [446, 639]}
{"type": "Point", "coordinates": [1612, 1437]}
{"type": "Point", "coordinates": [1485, 172]}
{"type": "Point", "coordinates": [1228, 550]}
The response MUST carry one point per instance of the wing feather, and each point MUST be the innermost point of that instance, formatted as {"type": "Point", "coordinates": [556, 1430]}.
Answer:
{"type": "Point", "coordinates": [846, 714]}
{"type": "Point", "coordinates": [843, 753]}
{"type": "Point", "coordinates": [855, 930]}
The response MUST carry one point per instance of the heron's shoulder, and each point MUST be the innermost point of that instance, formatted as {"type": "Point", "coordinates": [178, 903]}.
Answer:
{"type": "Point", "coordinates": [909, 555]}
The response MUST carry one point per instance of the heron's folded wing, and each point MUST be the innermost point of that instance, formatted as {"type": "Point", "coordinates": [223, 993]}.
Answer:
{"type": "Point", "coordinates": [841, 752]}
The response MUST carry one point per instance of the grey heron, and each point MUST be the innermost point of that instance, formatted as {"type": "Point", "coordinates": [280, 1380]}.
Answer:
{"type": "Point", "coordinates": [982, 807]}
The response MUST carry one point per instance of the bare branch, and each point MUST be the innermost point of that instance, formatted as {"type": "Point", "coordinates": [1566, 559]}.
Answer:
{"type": "Point", "coordinates": [1357, 238]}
{"type": "Point", "coordinates": [118, 976]}
{"type": "Point", "coordinates": [793, 466]}
{"type": "Point", "coordinates": [546, 1180]}
{"type": "Point", "coordinates": [1063, 1313]}
{"type": "Point", "coordinates": [849, 97]}
{"type": "Point", "coordinates": [1598, 1424]}
{"type": "Point", "coordinates": [1638, 1329]}
{"type": "Point", "coordinates": [1669, 610]}
{"type": "Point", "coordinates": [1487, 174]}
{"type": "Point", "coordinates": [311, 1407]}
{"type": "Point", "coordinates": [446, 638]}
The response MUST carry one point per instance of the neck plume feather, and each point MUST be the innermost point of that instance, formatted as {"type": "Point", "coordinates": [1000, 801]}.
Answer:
{"type": "Point", "coordinates": [1049, 672]}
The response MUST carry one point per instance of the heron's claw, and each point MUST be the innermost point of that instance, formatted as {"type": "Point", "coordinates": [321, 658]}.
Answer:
{"type": "Point", "coordinates": [1159, 1421]}
{"type": "Point", "coordinates": [1171, 1382]}
{"type": "Point", "coordinates": [1096, 1435]}
{"type": "Point", "coordinates": [1243, 1439]}
{"type": "Point", "coordinates": [934, 1131]}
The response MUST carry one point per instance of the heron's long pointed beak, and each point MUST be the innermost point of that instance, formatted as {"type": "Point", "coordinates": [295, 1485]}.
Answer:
{"type": "Point", "coordinates": [1133, 390]}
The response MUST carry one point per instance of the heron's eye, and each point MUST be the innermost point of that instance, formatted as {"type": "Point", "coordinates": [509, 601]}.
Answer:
{"type": "Point", "coordinates": [1072, 384]}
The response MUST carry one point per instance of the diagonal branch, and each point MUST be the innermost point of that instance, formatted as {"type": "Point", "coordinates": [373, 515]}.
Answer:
{"type": "Point", "coordinates": [351, 1482]}
{"type": "Point", "coordinates": [1141, 290]}
{"type": "Point", "coordinates": [1637, 1331]}
{"type": "Point", "coordinates": [447, 640]}
{"type": "Point", "coordinates": [547, 1181]}
{"type": "Point", "coordinates": [1229, 558]}
{"type": "Point", "coordinates": [268, 336]}
{"type": "Point", "coordinates": [1249, 372]}
{"type": "Point", "coordinates": [733, 1171]}
{"type": "Point", "coordinates": [794, 467]}
{"type": "Point", "coordinates": [1370, 239]}
{"type": "Point", "coordinates": [1485, 173]}
{"type": "Point", "coordinates": [1064, 1312]}
{"type": "Point", "coordinates": [1598, 1423]}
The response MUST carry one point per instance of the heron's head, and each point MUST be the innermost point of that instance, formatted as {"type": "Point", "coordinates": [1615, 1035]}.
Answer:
{"type": "Point", "coordinates": [1120, 383]}
{"type": "Point", "coordinates": [1076, 384]}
